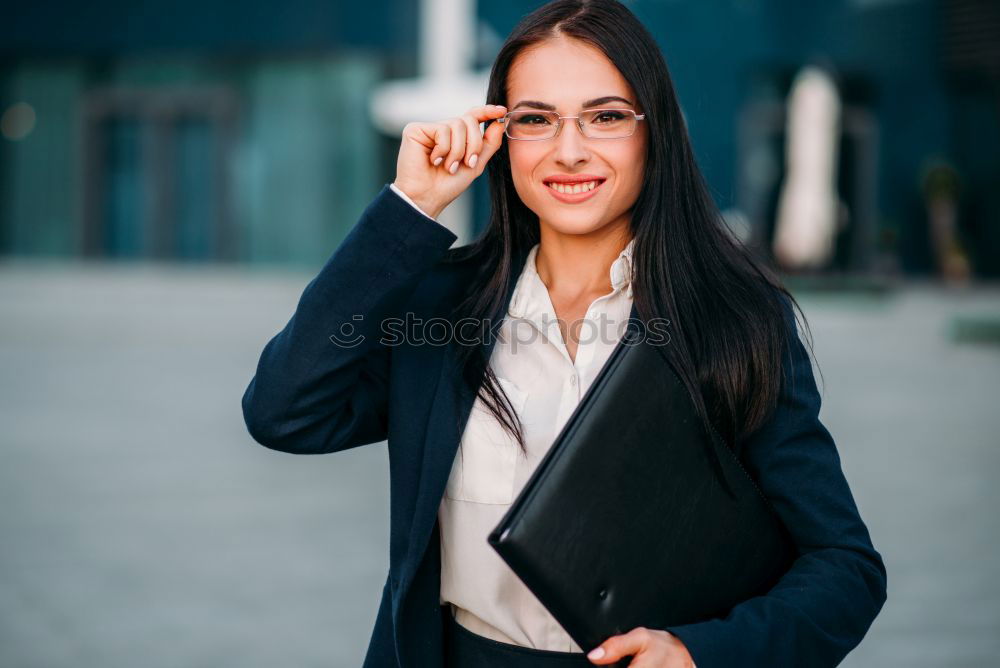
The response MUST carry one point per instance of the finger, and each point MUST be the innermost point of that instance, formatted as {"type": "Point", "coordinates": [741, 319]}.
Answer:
{"type": "Point", "coordinates": [485, 112]}
{"type": "Point", "coordinates": [617, 647]}
{"type": "Point", "coordinates": [481, 114]}
{"type": "Point", "coordinates": [440, 134]}
{"type": "Point", "coordinates": [492, 140]}
{"type": "Point", "coordinates": [473, 140]}
{"type": "Point", "coordinates": [457, 152]}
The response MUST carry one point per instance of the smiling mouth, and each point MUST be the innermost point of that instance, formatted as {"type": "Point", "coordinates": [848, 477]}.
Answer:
{"type": "Point", "coordinates": [574, 188]}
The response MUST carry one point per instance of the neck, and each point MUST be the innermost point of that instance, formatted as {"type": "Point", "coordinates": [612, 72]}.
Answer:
{"type": "Point", "coordinates": [573, 265]}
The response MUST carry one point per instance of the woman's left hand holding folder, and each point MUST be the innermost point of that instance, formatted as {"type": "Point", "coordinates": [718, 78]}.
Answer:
{"type": "Point", "coordinates": [648, 647]}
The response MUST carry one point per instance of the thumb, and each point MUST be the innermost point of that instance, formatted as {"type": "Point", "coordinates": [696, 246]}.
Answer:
{"type": "Point", "coordinates": [615, 648]}
{"type": "Point", "coordinates": [492, 139]}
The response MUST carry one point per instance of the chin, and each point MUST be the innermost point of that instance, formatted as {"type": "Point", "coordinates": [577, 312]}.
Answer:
{"type": "Point", "coordinates": [568, 224]}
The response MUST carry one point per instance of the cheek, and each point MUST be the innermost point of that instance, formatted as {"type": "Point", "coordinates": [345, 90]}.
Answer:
{"type": "Point", "coordinates": [522, 165]}
{"type": "Point", "coordinates": [522, 159]}
{"type": "Point", "coordinates": [631, 168]}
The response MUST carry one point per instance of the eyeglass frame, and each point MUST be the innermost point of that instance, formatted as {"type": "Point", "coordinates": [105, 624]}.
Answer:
{"type": "Point", "coordinates": [559, 125]}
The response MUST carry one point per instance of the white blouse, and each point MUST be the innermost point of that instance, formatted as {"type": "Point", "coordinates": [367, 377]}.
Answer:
{"type": "Point", "coordinates": [545, 385]}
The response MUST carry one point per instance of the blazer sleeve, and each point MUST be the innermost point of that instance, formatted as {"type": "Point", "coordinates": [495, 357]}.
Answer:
{"type": "Point", "coordinates": [408, 200]}
{"type": "Point", "coordinates": [321, 383]}
{"type": "Point", "coordinates": [825, 603]}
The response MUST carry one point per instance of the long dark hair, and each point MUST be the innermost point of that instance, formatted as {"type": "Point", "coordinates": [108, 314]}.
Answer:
{"type": "Point", "coordinates": [727, 323]}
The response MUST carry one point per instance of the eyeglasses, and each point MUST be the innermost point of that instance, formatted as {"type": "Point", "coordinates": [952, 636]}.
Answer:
{"type": "Point", "coordinates": [595, 124]}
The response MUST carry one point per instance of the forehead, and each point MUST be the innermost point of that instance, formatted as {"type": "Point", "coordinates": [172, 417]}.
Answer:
{"type": "Point", "coordinates": [564, 72]}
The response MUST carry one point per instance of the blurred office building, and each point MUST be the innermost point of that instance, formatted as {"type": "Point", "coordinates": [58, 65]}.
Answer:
{"type": "Point", "coordinates": [215, 131]}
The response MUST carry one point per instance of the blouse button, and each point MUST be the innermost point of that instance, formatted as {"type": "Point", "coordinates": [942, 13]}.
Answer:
{"type": "Point", "coordinates": [572, 379]}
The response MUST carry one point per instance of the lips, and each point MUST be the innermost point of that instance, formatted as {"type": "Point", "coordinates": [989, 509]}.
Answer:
{"type": "Point", "coordinates": [570, 184]}
{"type": "Point", "coordinates": [573, 178]}
{"type": "Point", "coordinates": [573, 198]}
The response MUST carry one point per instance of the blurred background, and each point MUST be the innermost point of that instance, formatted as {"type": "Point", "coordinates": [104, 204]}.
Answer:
{"type": "Point", "coordinates": [173, 174]}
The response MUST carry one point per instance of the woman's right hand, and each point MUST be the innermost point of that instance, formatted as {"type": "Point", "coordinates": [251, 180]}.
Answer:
{"type": "Point", "coordinates": [454, 140]}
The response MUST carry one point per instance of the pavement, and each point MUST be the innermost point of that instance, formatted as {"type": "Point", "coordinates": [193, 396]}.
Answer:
{"type": "Point", "coordinates": [142, 526]}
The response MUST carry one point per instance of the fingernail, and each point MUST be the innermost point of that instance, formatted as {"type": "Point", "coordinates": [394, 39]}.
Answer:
{"type": "Point", "coordinates": [596, 654]}
{"type": "Point", "coordinates": [438, 160]}
{"type": "Point", "coordinates": [454, 167]}
{"type": "Point", "coordinates": [473, 160]}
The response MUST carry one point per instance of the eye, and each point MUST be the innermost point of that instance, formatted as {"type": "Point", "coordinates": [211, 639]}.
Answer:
{"type": "Point", "coordinates": [531, 119]}
{"type": "Point", "coordinates": [608, 116]}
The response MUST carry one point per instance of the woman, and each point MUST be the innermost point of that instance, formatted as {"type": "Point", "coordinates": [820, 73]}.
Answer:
{"type": "Point", "coordinates": [463, 359]}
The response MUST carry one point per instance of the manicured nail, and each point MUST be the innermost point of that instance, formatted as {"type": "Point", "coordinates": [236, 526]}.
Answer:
{"type": "Point", "coordinates": [473, 160]}
{"type": "Point", "coordinates": [438, 160]}
{"type": "Point", "coordinates": [596, 654]}
{"type": "Point", "coordinates": [454, 167]}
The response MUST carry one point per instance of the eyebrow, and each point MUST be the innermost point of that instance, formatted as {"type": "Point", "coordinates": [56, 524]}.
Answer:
{"type": "Point", "coordinates": [535, 104]}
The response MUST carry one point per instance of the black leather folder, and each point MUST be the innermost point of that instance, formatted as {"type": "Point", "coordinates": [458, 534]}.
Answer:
{"type": "Point", "coordinates": [625, 522]}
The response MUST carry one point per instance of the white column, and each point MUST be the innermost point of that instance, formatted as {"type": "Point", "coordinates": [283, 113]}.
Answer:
{"type": "Point", "coordinates": [445, 86]}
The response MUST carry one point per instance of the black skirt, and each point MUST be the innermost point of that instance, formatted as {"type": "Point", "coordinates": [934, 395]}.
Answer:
{"type": "Point", "coordinates": [466, 649]}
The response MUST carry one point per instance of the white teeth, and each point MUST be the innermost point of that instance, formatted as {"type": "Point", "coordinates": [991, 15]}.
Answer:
{"type": "Point", "coordinates": [575, 188]}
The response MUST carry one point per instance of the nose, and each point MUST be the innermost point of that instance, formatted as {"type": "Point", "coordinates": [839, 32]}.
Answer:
{"type": "Point", "coordinates": [571, 144]}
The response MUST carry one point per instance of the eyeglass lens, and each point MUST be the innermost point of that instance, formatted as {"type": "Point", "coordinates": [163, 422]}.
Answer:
{"type": "Point", "coordinates": [597, 123]}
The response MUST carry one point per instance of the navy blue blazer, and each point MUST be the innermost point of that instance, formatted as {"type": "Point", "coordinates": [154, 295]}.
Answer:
{"type": "Point", "coordinates": [311, 395]}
